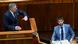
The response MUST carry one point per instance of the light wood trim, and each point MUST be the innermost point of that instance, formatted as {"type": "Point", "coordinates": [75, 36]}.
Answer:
{"type": "Point", "coordinates": [16, 38]}
{"type": "Point", "coordinates": [33, 24]}
{"type": "Point", "coordinates": [13, 0]}
{"type": "Point", "coordinates": [15, 32]}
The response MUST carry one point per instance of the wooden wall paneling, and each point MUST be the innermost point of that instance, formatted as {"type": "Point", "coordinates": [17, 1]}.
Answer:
{"type": "Point", "coordinates": [67, 1]}
{"type": "Point", "coordinates": [76, 1]}
{"type": "Point", "coordinates": [65, 10]}
{"type": "Point", "coordinates": [56, 1]}
{"type": "Point", "coordinates": [62, 1]}
{"type": "Point", "coordinates": [76, 16]}
{"type": "Point", "coordinates": [40, 13]}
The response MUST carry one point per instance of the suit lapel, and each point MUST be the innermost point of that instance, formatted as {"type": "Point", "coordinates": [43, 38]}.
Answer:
{"type": "Point", "coordinates": [12, 17]}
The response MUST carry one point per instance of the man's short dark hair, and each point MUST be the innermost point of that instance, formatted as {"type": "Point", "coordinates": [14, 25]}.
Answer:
{"type": "Point", "coordinates": [60, 18]}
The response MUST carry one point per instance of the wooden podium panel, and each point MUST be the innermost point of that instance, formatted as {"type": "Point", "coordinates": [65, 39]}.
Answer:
{"type": "Point", "coordinates": [16, 37]}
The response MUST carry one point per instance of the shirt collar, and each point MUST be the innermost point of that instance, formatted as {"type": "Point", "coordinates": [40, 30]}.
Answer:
{"type": "Point", "coordinates": [11, 12]}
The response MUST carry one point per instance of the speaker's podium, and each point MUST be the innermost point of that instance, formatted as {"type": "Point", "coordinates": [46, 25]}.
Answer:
{"type": "Point", "coordinates": [18, 37]}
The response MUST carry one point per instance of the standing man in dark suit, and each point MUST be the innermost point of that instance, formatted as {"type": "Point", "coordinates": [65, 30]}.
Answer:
{"type": "Point", "coordinates": [63, 33]}
{"type": "Point", "coordinates": [11, 18]}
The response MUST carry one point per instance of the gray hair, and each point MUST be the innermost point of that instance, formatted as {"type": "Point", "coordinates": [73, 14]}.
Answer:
{"type": "Point", "coordinates": [11, 5]}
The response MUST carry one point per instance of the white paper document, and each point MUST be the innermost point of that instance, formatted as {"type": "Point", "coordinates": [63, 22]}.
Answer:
{"type": "Point", "coordinates": [61, 42]}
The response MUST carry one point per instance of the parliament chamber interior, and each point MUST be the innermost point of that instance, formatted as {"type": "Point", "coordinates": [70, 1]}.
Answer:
{"type": "Point", "coordinates": [41, 20]}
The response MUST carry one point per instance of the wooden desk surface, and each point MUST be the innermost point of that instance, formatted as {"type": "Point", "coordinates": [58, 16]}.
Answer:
{"type": "Point", "coordinates": [16, 32]}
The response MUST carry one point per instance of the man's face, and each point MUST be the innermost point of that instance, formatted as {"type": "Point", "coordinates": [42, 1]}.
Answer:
{"type": "Point", "coordinates": [60, 21]}
{"type": "Point", "coordinates": [14, 9]}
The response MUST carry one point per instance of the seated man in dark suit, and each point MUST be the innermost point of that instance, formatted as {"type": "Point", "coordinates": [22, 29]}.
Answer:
{"type": "Point", "coordinates": [11, 18]}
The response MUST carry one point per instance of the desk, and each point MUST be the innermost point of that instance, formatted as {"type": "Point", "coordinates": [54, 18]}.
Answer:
{"type": "Point", "coordinates": [16, 37]}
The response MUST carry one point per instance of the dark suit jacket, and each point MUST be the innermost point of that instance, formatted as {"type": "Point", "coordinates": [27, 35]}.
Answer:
{"type": "Point", "coordinates": [10, 22]}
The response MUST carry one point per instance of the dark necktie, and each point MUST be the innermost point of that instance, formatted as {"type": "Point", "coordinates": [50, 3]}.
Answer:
{"type": "Point", "coordinates": [62, 33]}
